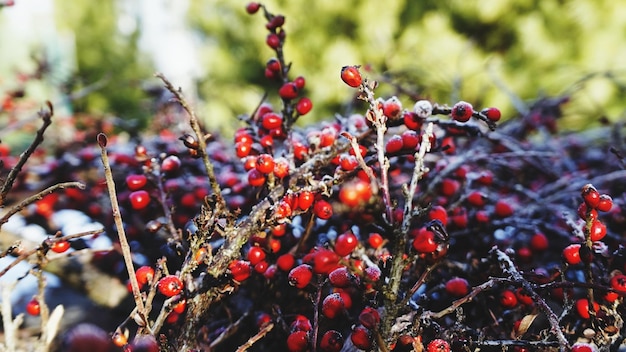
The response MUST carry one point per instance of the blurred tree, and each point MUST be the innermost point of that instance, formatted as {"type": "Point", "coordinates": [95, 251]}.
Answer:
{"type": "Point", "coordinates": [445, 50]}
{"type": "Point", "coordinates": [103, 54]}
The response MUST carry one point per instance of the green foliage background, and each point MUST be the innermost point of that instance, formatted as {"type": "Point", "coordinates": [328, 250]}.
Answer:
{"type": "Point", "coordinates": [445, 50]}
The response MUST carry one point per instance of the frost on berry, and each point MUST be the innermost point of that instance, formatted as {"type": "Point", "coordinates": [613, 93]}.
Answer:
{"type": "Point", "coordinates": [423, 108]}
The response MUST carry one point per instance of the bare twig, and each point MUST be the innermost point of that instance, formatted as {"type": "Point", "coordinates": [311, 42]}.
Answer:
{"type": "Point", "coordinates": [377, 118]}
{"type": "Point", "coordinates": [195, 125]}
{"type": "Point", "coordinates": [259, 335]}
{"type": "Point", "coordinates": [27, 254]}
{"type": "Point", "coordinates": [507, 266]}
{"type": "Point", "coordinates": [24, 203]}
{"type": "Point", "coordinates": [46, 116]}
{"type": "Point", "coordinates": [102, 142]}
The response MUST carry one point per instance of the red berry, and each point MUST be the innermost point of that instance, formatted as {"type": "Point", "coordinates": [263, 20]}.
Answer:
{"type": "Point", "coordinates": [597, 231]}
{"type": "Point", "coordinates": [136, 182]}
{"type": "Point", "coordinates": [438, 345]}
{"type": "Point", "coordinates": [253, 7]}
{"type": "Point", "coordinates": [271, 120]}
{"type": "Point", "coordinates": [412, 121]}
{"type": "Point", "coordinates": [275, 22]}
{"type": "Point", "coordinates": [449, 187]}
{"type": "Point", "coordinates": [305, 200]}
{"type": "Point", "coordinates": [256, 178]}
{"type": "Point", "coordinates": [394, 144]}
{"type": "Point", "coordinates": [355, 192]}
{"type": "Point", "coordinates": [369, 317]}
{"type": "Point", "coordinates": [392, 107]}
{"type": "Point", "coordinates": [351, 76]}
{"type": "Point", "coordinates": [256, 255]}
{"type": "Point", "coordinates": [438, 212]}
{"type": "Point", "coordinates": [281, 167]}
{"type": "Point", "coordinates": [299, 82]}
{"type": "Point", "coordinates": [618, 283]}
{"type": "Point", "coordinates": [243, 149]}
{"type": "Point", "coordinates": [332, 305]}
{"type": "Point", "coordinates": [298, 341]}
{"type": "Point", "coordinates": [590, 195]}
{"type": "Point", "coordinates": [273, 65]}
{"type": "Point", "coordinates": [361, 337]}
{"type": "Point", "coordinates": [342, 277]}
{"type": "Point", "coordinates": [179, 307]}
{"type": "Point", "coordinates": [300, 276]}
{"type": "Point", "coordinates": [325, 261]}
{"type": "Point", "coordinates": [462, 111]}
{"type": "Point", "coordinates": [375, 240]}
{"type": "Point", "coordinates": [139, 199]}
{"type": "Point", "coordinates": [508, 299]}
{"type": "Point", "coordinates": [323, 210]}
{"type": "Point", "coordinates": [605, 203]}
{"type": "Point", "coordinates": [304, 105]}
{"type": "Point", "coordinates": [348, 162]}
{"type": "Point", "coordinates": [240, 270]}
{"type": "Point", "coordinates": [492, 114]}
{"type": "Point", "coordinates": [265, 163]}
{"type": "Point", "coordinates": [170, 285]}
{"type": "Point", "coordinates": [272, 40]}
{"type": "Point", "coordinates": [283, 210]}
{"type": "Point", "coordinates": [288, 91]}
{"type": "Point", "coordinates": [503, 209]}
{"type": "Point", "coordinates": [571, 254]}
{"type": "Point", "coordinates": [33, 307]}
{"type": "Point", "coordinates": [170, 164]}
{"type": "Point", "coordinates": [372, 273]}
{"type": "Point", "coordinates": [582, 347]}
{"type": "Point", "coordinates": [144, 275]}
{"type": "Point", "coordinates": [584, 212]}
{"type": "Point", "coordinates": [424, 241]}
{"type": "Point", "coordinates": [476, 199]}
{"type": "Point", "coordinates": [286, 262]}
{"type": "Point", "coordinates": [410, 140]}
{"type": "Point", "coordinates": [60, 246]}
{"type": "Point", "coordinates": [346, 243]}
{"type": "Point", "coordinates": [485, 178]}
{"type": "Point", "coordinates": [301, 323]}
{"type": "Point", "coordinates": [332, 341]}
{"type": "Point", "coordinates": [457, 287]}
{"type": "Point", "coordinates": [539, 242]}
{"type": "Point", "coordinates": [582, 308]}
{"type": "Point", "coordinates": [523, 297]}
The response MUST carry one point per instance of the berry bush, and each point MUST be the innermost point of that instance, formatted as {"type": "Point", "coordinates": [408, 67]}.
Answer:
{"type": "Point", "coordinates": [399, 227]}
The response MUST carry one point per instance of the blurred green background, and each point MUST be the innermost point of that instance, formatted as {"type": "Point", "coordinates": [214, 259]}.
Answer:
{"type": "Point", "coordinates": [483, 52]}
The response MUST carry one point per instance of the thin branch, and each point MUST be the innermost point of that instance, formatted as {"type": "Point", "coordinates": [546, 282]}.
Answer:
{"type": "Point", "coordinates": [126, 252]}
{"type": "Point", "coordinates": [39, 196]}
{"type": "Point", "coordinates": [49, 241]}
{"type": "Point", "coordinates": [46, 116]}
{"type": "Point", "coordinates": [259, 335]}
{"type": "Point", "coordinates": [195, 125]}
{"type": "Point", "coordinates": [507, 266]}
